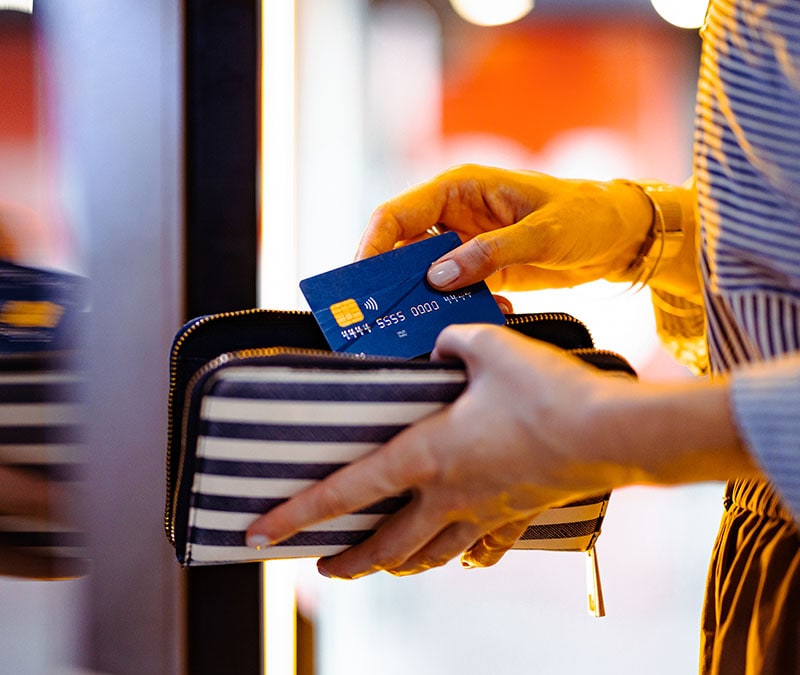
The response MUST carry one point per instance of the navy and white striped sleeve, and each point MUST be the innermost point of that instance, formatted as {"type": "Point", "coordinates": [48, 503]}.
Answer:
{"type": "Point", "coordinates": [747, 168]}
{"type": "Point", "coordinates": [766, 405]}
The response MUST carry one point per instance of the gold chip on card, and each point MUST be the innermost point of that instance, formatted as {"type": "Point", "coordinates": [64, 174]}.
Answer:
{"type": "Point", "coordinates": [347, 312]}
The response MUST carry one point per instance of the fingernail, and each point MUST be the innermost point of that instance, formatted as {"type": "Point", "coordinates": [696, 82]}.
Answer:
{"type": "Point", "coordinates": [505, 308]}
{"type": "Point", "coordinates": [443, 273]}
{"type": "Point", "coordinates": [258, 541]}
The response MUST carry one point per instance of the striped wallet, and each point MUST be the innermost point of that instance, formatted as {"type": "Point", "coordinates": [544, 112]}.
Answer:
{"type": "Point", "coordinates": [259, 408]}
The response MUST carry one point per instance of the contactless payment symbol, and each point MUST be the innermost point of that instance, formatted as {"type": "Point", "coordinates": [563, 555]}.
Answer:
{"type": "Point", "coordinates": [346, 312]}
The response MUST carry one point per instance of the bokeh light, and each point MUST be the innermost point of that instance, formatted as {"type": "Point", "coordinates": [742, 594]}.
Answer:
{"type": "Point", "coordinates": [682, 13]}
{"type": "Point", "coordinates": [494, 13]}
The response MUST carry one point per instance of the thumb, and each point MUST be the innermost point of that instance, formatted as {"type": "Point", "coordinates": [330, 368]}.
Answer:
{"type": "Point", "coordinates": [479, 258]}
{"type": "Point", "coordinates": [473, 261]}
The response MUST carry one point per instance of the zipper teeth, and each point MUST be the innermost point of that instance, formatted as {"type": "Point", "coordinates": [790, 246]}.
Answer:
{"type": "Point", "coordinates": [594, 350]}
{"type": "Point", "coordinates": [256, 352]}
{"type": "Point", "coordinates": [511, 319]}
{"type": "Point", "coordinates": [173, 381]}
{"type": "Point", "coordinates": [518, 319]}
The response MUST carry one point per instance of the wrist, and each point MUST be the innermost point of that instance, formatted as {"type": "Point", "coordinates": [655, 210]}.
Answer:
{"type": "Point", "coordinates": [684, 433]}
{"type": "Point", "coordinates": [665, 237]}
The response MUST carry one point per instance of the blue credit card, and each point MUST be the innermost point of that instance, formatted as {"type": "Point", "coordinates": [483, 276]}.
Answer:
{"type": "Point", "coordinates": [40, 309]}
{"type": "Point", "coordinates": [384, 306]}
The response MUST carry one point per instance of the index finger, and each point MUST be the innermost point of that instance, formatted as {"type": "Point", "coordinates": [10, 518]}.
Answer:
{"type": "Point", "coordinates": [384, 473]}
{"type": "Point", "coordinates": [406, 216]}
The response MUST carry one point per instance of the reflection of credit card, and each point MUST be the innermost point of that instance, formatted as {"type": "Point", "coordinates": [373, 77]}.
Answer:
{"type": "Point", "coordinates": [39, 308]}
{"type": "Point", "coordinates": [384, 306]}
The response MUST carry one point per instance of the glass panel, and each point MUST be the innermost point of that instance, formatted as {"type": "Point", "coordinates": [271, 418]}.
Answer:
{"type": "Point", "coordinates": [41, 619]}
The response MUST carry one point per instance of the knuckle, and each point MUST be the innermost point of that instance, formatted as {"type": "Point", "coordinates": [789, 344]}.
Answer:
{"type": "Point", "coordinates": [416, 466]}
{"type": "Point", "coordinates": [380, 215]}
{"type": "Point", "coordinates": [483, 339]}
{"type": "Point", "coordinates": [495, 543]}
{"type": "Point", "coordinates": [331, 500]}
{"type": "Point", "coordinates": [483, 253]}
{"type": "Point", "coordinates": [461, 172]}
{"type": "Point", "coordinates": [432, 562]}
{"type": "Point", "coordinates": [463, 182]}
{"type": "Point", "coordinates": [381, 559]}
{"type": "Point", "coordinates": [545, 236]}
{"type": "Point", "coordinates": [419, 564]}
{"type": "Point", "coordinates": [384, 216]}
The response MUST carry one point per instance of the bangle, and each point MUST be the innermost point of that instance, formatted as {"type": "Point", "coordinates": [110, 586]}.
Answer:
{"type": "Point", "coordinates": [664, 239]}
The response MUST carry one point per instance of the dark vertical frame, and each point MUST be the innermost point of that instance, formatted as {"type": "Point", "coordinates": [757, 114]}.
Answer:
{"type": "Point", "coordinates": [221, 117]}
{"type": "Point", "coordinates": [223, 627]}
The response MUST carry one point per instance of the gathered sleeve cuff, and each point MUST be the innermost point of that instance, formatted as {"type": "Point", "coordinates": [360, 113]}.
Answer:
{"type": "Point", "coordinates": [680, 325]}
{"type": "Point", "coordinates": [766, 406]}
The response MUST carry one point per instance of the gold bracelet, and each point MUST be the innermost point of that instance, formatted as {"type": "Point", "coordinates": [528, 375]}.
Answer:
{"type": "Point", "coordinates": [666, 228]}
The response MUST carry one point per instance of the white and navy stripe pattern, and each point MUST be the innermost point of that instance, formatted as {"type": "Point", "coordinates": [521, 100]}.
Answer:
{"type": "Point", "coordinates": [747, 168]}
{"type": "Point", "coordinates": [41, 432]}
{"type": "Point", "coordinates": [268, 432]}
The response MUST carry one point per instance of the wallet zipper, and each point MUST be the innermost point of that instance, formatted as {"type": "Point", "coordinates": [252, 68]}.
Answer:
{"type": "Point", "coordinates": [174, 480]}
{"type": "Point", "coordinates": [594, 589]}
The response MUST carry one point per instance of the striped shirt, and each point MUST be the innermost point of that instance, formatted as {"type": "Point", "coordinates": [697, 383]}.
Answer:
{"type": "Point", "coordinates": [747, 171]}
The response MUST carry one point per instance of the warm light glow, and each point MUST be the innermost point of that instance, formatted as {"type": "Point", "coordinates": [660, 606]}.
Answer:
{"type": "Point", "coordinates": [682, 13]}
{"type": "Point", "coordinates": [278, 245]}
{"type": "Point", "coordinates": [491, 12]}
{"type": "Point", "coordinates": [279, 609]}
{"type": "Point", "coordinates": [278, 274]}
{"type": "Point", "coordinates": [19, 5]}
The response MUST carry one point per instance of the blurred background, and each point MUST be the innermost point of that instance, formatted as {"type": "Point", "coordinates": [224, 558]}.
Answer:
{"type": "Point", "coordinates": [390, 93]}
{"type": "Point", "coordinates": [354, 100]}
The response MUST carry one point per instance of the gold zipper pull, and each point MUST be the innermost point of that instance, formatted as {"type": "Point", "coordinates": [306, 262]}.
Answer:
{"type": "Point", "coordinates": [593, 587]}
